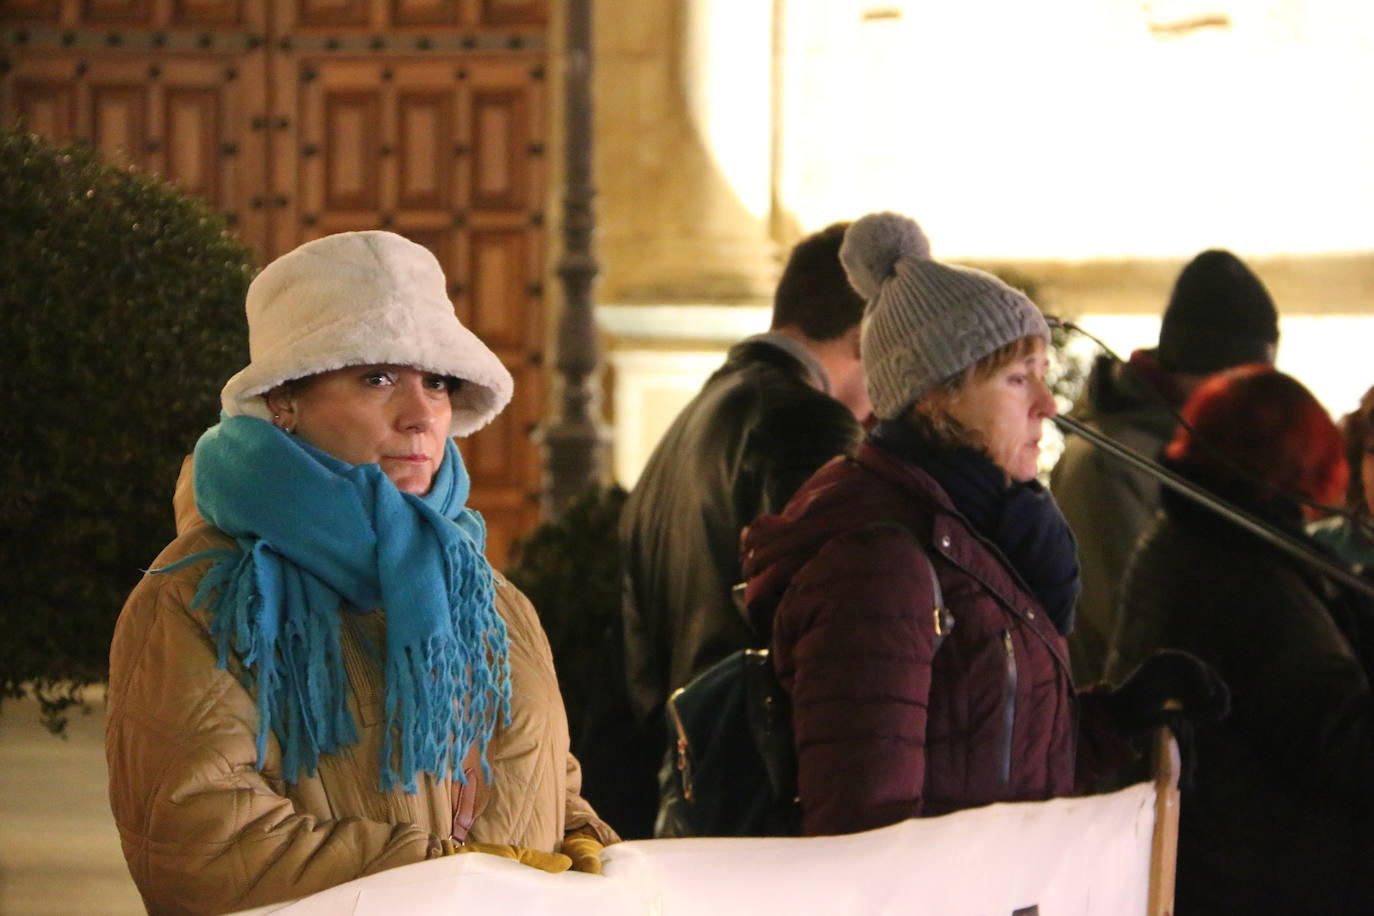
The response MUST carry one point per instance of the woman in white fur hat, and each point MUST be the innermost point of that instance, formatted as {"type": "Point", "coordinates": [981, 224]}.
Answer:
{"type": "Point", "coordinates": [322, 677]}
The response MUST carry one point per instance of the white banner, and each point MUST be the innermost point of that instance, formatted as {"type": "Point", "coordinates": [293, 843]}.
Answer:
{"type": "Point", "coordinates": [1068, 857]}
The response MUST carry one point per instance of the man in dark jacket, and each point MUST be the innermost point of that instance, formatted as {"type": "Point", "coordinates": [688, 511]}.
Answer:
{"type": "Point", "coordinates": [783, 404]}
{"type": "Point", "coordinates": [1219, 315]}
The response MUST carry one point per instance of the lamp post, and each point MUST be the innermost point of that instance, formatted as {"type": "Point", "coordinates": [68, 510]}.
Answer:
{"type": "Point", "coordinates": [574, 439]}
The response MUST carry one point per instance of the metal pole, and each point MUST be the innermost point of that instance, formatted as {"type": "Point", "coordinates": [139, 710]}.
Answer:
{"type": "Point", "coordinates": [575, 440]}
{"type": "Point", "coordinates": [1292, 545]}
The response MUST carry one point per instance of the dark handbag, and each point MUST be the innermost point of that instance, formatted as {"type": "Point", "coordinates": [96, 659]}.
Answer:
{"type": "Point", "coordinates": [733, 772]}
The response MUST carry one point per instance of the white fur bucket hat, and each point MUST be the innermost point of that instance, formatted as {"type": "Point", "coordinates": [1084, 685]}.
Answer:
{"type": "Point", "coordinates": [355, 299]}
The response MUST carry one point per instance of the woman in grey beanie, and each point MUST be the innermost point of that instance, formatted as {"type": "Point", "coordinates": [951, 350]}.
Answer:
{"type": "Point", "coordinates": [918, 593]}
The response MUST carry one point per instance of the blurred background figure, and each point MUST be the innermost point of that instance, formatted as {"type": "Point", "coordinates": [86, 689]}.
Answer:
{"type": "Point", "coordinates": [1219, 315]}
{"type": "Point", "coordinates": [784, 403]}
{"type": "Point", "coordinates": [1351, 536]}
{"type": "Point", "coordinates": [1276, 821]}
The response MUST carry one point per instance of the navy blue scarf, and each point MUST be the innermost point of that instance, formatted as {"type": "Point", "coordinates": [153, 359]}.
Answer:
{"type": "Point", "coordinates": [1022, 519]}
{"type": "Point", "coordinates": [317, 534]}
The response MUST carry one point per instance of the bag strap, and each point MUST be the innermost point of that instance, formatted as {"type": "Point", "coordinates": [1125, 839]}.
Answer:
{"type": "Point", "coordinates": [943, 617]}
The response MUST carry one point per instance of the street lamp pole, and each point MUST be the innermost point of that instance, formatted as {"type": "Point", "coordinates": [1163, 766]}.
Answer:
{"type": "Point", "coordinates": [575, 441]}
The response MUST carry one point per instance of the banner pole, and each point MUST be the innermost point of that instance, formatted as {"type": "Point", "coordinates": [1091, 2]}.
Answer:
{"type": "Point", "coordinates": [1164, 848]}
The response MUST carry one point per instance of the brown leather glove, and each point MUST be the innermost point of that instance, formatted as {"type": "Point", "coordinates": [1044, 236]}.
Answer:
{"type": "Point", "coordinates": [585, 852]}
{"type": "Point", "coordinates": [551, 862]}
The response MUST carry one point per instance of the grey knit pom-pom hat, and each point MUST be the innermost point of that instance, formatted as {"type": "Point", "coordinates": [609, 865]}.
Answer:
{"type": "Point", "coordinates": [925, 321]}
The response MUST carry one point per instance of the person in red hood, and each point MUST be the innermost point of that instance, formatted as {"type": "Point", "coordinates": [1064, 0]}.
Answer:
{"type": "Point", "coordinates": [918, 594]}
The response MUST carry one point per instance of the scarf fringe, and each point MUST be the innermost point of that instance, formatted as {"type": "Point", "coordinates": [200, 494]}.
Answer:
{"type": "Point", "coordinates": [470, 674]}
{"type": "Point", "coordinates": [446, 663]}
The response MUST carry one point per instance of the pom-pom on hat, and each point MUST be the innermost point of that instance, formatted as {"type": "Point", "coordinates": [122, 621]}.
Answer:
{"type": "Point", "coordinates": [925, 321]}
{"type": "Point", "coordinates": [1219, 316]}
{"type": "Point", "coordinates": [355, 299]}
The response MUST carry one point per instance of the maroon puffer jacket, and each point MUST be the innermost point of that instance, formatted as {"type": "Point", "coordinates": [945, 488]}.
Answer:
{"type": "Point", "coordinates": [891, 719]}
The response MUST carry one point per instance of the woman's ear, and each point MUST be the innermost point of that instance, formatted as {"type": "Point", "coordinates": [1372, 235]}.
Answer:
{"type": "Point", "coordinates": [282, 407]}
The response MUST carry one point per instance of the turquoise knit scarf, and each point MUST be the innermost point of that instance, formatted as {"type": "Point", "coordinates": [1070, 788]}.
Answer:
{"type": "Point", "coordinates": [316, 535]}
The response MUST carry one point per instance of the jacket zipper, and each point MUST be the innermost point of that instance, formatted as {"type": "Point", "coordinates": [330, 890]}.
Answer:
{"type": "Point", "coordinates": [1008, 707]}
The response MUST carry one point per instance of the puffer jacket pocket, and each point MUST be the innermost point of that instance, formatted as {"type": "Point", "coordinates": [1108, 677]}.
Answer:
{"type": "Point", "coordinates": [1008, 708]}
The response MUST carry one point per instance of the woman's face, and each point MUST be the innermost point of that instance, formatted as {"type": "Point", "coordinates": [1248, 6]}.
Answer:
{"type": "Point", "coordinates": [1006, 409]}
{"type": "Point", "coordinates": [396, 417]}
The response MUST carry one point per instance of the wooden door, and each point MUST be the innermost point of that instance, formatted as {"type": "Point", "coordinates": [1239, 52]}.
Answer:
{"type": "Point", "coordinates": [304, 117]}
{"type": "Point", "coordinates": [172, 89]}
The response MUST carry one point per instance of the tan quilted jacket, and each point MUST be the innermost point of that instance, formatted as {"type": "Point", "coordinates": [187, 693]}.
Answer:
{"type": "Point", "coordinates": [204, 831]}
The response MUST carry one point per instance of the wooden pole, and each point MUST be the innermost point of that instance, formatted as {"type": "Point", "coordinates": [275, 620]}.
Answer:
{"type": "Point", "coordinates": [575, 440]}
{"type": "Point", "coordinates": [1164, 849]}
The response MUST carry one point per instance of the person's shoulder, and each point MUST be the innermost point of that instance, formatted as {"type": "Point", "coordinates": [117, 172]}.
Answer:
{"type": "Point", "coordinates": [514, 606]}
{"type": "Point", "coordinates": [866, 570]}
{"type": "Point", "coordinates": [796, 406]}
{"type": "Point", "coordinates": [203, 541]}
{"type": "Point", "coordinates": [178, 569]}
{"type": "Point", "coordinates": [160, 619]}
{"type": "Point", "coordinates": [1218, 562]}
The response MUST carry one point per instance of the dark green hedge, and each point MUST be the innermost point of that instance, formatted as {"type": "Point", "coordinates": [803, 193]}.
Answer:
{"type": "Point", "coordinates": [121, 313]}
{"type": "Point", "coordinates": [570, 568]}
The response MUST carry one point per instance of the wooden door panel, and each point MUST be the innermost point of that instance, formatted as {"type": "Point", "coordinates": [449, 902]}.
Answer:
{"type": "Point", "coordinates": [498, 132]}
{"type": "Point", "coordinates": [192, 127]}
{"type": "Point", "coordinates": [31, 10]}
{"type": "Point", "coordinates": [514, 12]}
{"type": "Point", "coordinates": [330, 12]}
{"type": "Point", "coordinates": [440, 243]}
{"type": "Point", "coordinates": [352, 150]}
{"type": "Point", "coordinates": [425, 149]}
{"type": "Point", "coordinates": [208, 12]}
{"type": "Point", "coordinates": [504, 464]}
{"type": "Point", "coordinates": [306, 117]}
{"type": "Point", "coordinates": [426, 12]}
{"type": "Point", "coordinates": [499, 454]}
{"type": "Point", "coordinates": [123, 12]}
{"type": "Point", "coordinates": [209, 143]}
{"type": "Point", "coordinates": [387, 14]}
{"type": "Point", "coordinates": [505, 124]}
{"type": "Point", "coordinates": [188, 120]}
{"type": "Point", "coordinates": [47, 107]}
{"type": "Point", "coordinates": [134, 14]}
{"type": "Point", "coordinates": [494, 452]}
{"type": "Point", "coordinates": [500, 269]}
{"type": "Point", "coordinates": [119, 123]}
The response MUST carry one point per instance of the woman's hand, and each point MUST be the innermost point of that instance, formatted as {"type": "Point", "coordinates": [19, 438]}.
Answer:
{"type": "Point", "coordinates": [1169, 681]}
{"type": "Point", "coordinates": [551, 862]}
{"type": "Point", "coordinates": [584, 850]}
{"type": "Point", "coordinates": [1174, 689]}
